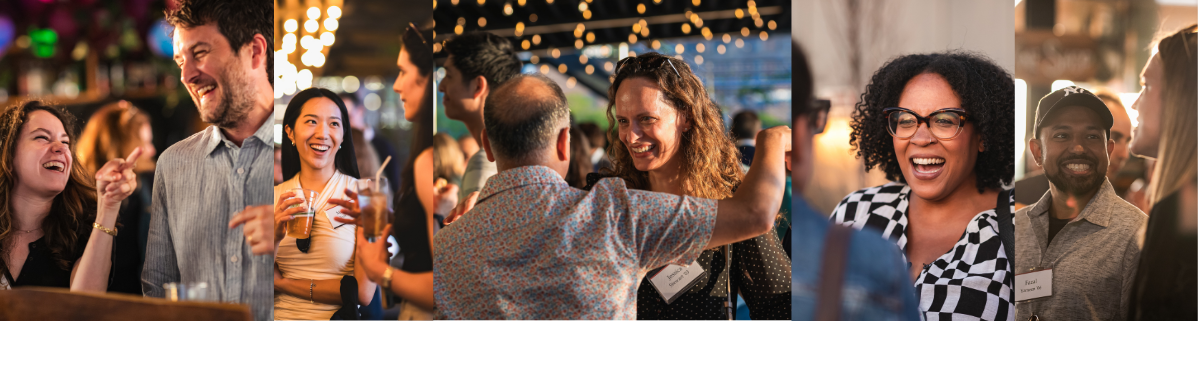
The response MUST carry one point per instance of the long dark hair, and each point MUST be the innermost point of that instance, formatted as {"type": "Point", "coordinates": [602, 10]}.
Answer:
{"type": "Point", "coordinates": [70, 207]}
{"type": "Point", "coordinates": [344, 160]}
{"type": "Point", "coordinates": [421, 55]}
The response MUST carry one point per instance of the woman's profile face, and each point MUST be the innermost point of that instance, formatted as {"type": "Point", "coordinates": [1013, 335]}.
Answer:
{"type": "Point", "coordinates": [318, 132]}
{"type": "Point", "coordinates": [43, 156]}
{"type": "Point", "coordinates": [1149, 109]}
{"type": "Point", "coordinates": [650, 128]}
{"type": "Point", "coordinates": [934, 168]}
{"type": "Point", "coordinates": [410, 85]}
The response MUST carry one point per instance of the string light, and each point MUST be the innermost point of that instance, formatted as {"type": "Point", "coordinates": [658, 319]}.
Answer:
{"type": "Point", "coordinates": [570, 80]}
{"type": "Point", "coordinates": [482, 22]}
{"type": "Point", "coordinates": [739, 43]}
{"type": "Point", "coordinates": [745, 31]}
{"type": "Point", "coordinates": [738, 13]}
{"type": "Point", "coordinates": [583, 59]}
{"type": "Point", "coordinates": [331, 24]}
{"type": "Point", "coordinates": [554, 53]}
{"type": "Point", "coordinates": [335, 12]}
{"type": "Point", "coordinates": [687, 29]}
{"type": "Point", "coordinates": [771, 25]}
{"type": "Point", "coordinates": [678, 48]}
{"type": "Point", "coordinates": [525, 44]}
{"type": "Point", "coordinates": [534, 59]}
{"type": "Point", "coordinates": [587, 14]}
{"type": "Point", "coordinates": [290, 26]}
{"type": "Point", "coordinates": [313, 13]}
{"type": "Point", "coordinates": [758, 22]}
{"type": "Point", "coordinates": [327, 38]}
{"type": "Point", "coordinates": [699, 59]}
{"type": "Point", "coordinates": [721, 49]}
{"type": "Point", "coordinates": [608, 66]}
{"type": "Point", "coordinates": [589, 69]}
{"type": "Point", "coordinates": [578, 43]}
{"type": "Point", "coordinates": [545, 69]}
{"type": "Point", "coordinates": [725, 38]}
{"type": "Point", "coordinates": [699, 47]}
{"type": "Point", "coordinates": [762, 35]}
{"type": "Point", "coordinates": [508, 10]}
{"type": "Point", "coordinates": [641, 8]}
{"type": "Point", "coordinates": [520, 29]}
{"type": "Point", "coordinates": [537, 39]}
{"type": "Point", "coordinates": [655, 44]}
{"type": "Point", "coordinates": [562, 68]}
{"type": "Point", "coordinates": [458, 29]}
{"type": "Point", "coordinates": [591, 37]}
{"type": "Point", "coordinates": [311, 26]}
{"type": "Point", "coordinates": [632, 38]}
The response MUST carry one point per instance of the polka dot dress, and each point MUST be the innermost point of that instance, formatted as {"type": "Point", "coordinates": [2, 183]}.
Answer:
{"type": "Point", "coordinates": [762, 274]}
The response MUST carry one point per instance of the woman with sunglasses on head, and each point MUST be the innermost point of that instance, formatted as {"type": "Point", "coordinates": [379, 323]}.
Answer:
{"type": "Point", "coordinates": [413, 220]}
{"type": "Point", "coordinates": [56, 224]}
{"type": "Point", "coordinates": [666, 135]}
{"type": "Point", "coordinates": [941, 127]}
{"type": "Point", "coordinates": [318, 277]}
{"type": "Point", "coordinates": [115, 130]}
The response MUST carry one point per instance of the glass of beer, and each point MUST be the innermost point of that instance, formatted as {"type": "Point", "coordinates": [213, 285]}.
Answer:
{"type": "Point", "coordinates": [300, 227]}
{"type": "Point", "coordinates": [375, 203]}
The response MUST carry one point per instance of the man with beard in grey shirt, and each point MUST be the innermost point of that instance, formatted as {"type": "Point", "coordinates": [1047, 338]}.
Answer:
{"type": "Point", "coordinates": [1076, 247]}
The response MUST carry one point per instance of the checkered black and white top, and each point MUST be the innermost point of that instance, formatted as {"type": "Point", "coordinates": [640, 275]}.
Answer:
{"type": "Point", "coordinates": [972, 281]}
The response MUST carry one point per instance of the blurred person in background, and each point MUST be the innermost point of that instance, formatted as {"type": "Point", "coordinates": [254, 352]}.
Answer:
{"type": "Point", "coordinates": [581, 159]}
{"type": "Point", "coordinates": [838, 273]}
{"type": "Point", "coordinates": [746, 125]}
{"type": "Point", "coordinates": [57, 226]}
{"type": "Point", "coordinates": [410, 274]}
{"type": "Point", "coordinates": [115, 130]}
{"type": "Point", "coordinates": [671, 139]}
{"type": "Point", "coordinates": [363, 137]}
{"type": "Point", "coordinates": [319, 278]}
{"type": "Point", "coordinates": [468, 146]}
{"type": "Point", "coordinates": [478, 62]}
{"type": "Point", "coordinates": [940, 126]}
{"type": "Point", "coordinates": [598, 141]}
{"type": "Point", "coordinates": [212, 216]}
{"type": "Point", "coordinates": [448, 163]}
{"type": "Point", "coordinates": [278, 164]}
{"type": "Point", "coordinates": [1165, 285]}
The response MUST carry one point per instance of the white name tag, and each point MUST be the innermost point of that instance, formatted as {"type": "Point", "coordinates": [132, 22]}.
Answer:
{"type": "Point", "coordinates": [671, 281]}
{"type": "Point", "coordinates": [1035, 284]}
{"type": "Point", "coordinates": [336, 211]}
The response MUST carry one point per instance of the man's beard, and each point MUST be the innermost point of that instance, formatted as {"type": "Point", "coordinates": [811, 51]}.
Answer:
{"type": "Point", "coordinates": [1078, 185]}
{"type": "Point", "coordinates": [236, 98]}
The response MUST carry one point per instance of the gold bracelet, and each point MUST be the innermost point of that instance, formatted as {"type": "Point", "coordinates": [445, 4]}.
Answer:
{"type": "Point", "coordinates": [387, 278]}
{"type": "Point", "coordinates": [110, 231]}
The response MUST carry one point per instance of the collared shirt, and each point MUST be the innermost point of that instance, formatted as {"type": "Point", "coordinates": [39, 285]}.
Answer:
{"type": "Point", "coordinates": [971, 281]}
{"type": "Point", "coordinates": [876, 283]}
{"type": "Point", "coordinates": [199, 184]}
{"type": "Point", "coordinates": [1093, 258]}
{"type": "Point", "coordinates": [478, 171]}
{"type": "Point", "coordinates": [536, 248]}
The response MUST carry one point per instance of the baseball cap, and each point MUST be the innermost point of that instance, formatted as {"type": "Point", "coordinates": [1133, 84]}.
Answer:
{"type": "Point", "coordinates": [1071, 96]}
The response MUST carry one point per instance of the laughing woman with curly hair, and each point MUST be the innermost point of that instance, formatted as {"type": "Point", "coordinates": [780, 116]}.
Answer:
{"type": "Point", "coordinates": [667, 136]}
{"type": "Point", "coordinates": [941, 127]}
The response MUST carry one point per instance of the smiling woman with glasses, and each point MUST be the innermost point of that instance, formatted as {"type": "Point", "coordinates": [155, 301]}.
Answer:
{"type": "Point", "coordinates": [940, 126]}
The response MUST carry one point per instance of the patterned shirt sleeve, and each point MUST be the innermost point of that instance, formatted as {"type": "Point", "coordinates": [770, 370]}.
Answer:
{"type": "Point", "coordinates": [661, 228]}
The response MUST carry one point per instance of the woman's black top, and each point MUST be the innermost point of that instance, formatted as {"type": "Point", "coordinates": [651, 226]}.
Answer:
{"type": "Point", "coordinates": [42, 269]}
{"type": "Point", "coordinates": [1165, 285]}
{"type": "Point", "coordinates": [762, 275]}
{"type": "Point", "coordinates": [412, 233]}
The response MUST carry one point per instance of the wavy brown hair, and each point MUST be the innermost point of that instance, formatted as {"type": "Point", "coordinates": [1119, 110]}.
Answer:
{"type": "Point", "coordinates": [711, 167]}
{"type": "Point", "coordinates": [70, 207]}
{"type": "Point", "coordinates": [112, 132]}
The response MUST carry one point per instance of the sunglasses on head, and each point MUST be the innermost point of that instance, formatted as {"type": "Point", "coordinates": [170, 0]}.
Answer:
{"type": "Point", "coordinates": [641, 63]}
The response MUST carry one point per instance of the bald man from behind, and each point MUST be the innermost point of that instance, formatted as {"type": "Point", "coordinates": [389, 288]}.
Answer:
{"type": "Point", "coordinates": [532, 247]}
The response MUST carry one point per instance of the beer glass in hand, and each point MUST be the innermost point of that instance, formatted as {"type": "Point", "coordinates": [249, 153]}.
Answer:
{"type": "Point", "coordinates": [375, 202]}
{"type": "Point", "coordinates": [300, 227]}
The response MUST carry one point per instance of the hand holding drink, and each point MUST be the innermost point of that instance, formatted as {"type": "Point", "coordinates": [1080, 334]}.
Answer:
{"type": "Point", "coordinates": [374, 200]}
{"type": "Point", "coordinates": [300, 225]}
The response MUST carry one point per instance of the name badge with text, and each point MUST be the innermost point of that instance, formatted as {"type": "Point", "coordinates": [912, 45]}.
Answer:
{"type": "Point", "coordinates": [671, 281]}
{"type": "Point", "coordinates": [1036, 284]}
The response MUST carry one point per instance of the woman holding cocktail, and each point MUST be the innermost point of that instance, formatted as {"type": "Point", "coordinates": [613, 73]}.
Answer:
{"type": "Point", "coordinates": [317, 276]}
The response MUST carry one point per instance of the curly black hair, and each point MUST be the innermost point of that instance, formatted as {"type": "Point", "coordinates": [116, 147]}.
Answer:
{"type": "Point", "coordinates": [986, 91]}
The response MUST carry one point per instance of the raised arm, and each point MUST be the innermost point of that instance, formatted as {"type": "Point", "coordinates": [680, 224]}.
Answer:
{"type": "Point", "coordinates": [752, 209]}
{"type": "Point", "coordinates": [115, 181]}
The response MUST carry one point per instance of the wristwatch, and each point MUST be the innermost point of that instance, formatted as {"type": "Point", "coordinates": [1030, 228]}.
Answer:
{"type": "Point", "coordinates": [387, 278]}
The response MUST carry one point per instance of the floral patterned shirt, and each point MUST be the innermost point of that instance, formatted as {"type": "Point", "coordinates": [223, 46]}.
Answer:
{"type": "Point", "coordinates": [535, 248]}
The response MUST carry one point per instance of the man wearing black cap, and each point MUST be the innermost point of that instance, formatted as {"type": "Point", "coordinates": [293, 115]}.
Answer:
{"type": "Point", "coordinates": [1076, 247]}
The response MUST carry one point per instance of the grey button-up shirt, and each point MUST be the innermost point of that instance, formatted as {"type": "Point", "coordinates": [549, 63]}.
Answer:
{"type": "Point", "coordinates": [199, 184]}
{"type": "Point", "coordinates": [1094, 258]}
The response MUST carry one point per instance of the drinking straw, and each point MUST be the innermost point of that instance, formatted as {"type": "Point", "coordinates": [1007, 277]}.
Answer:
{"type": "Point", "coordinates": [379, 172]}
